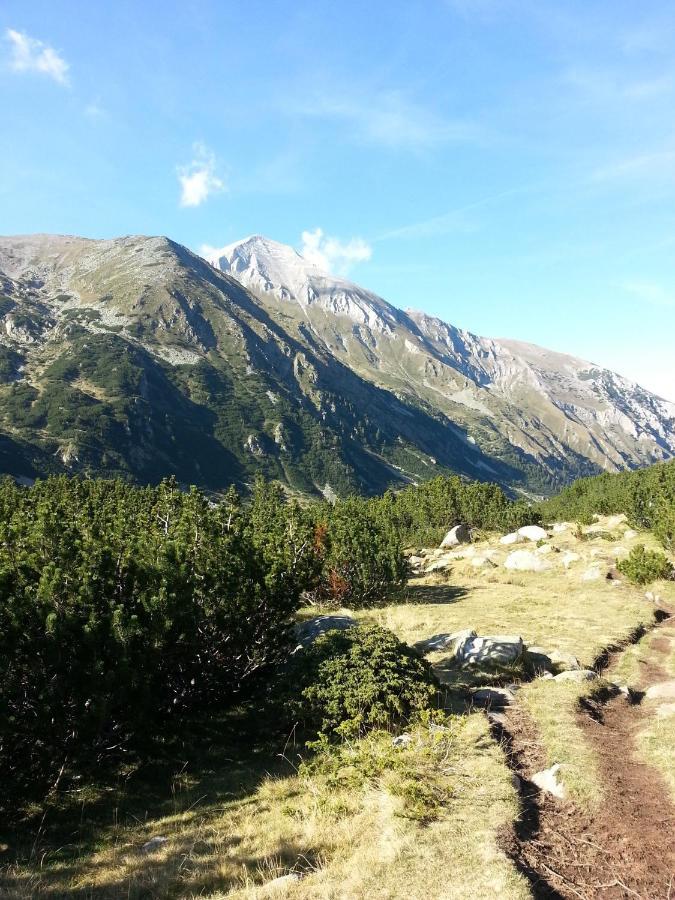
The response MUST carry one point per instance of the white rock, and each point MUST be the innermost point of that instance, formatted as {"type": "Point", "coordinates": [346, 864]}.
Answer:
{"type": "Point", "coordinates": [664, 690]}
{"type": "Point", "coordinates": [592, 574]}
{"type": "Point", "coordinates": [526, 561]}
{"type": "Point", "coordinates": [630, 533]}
{"type": "Point", "coordinates": [402, 740]}
{"type": "Point", "coordinates": [283, 881]}
{"type": "Point", "coordinates": [458, 535]}
{"type": "Point", "coordinates": [513, 538]}
{"type": "Point", "coordinates": [547, 780]}
{"type": "Point", "coordinates": [533, 533]}
{"type": "Point", "coordinates": [544, 550]}
{"type": "Point", "coordinates": [578, 675]}
{"type": "Point", "coordinates": [569, 558]}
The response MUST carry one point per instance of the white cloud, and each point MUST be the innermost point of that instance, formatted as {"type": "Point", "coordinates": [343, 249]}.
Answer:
{"type": "Point", "coordinates": [30, 55]}
{"type": "Point", "coordinates": [331, 254]}
{"type": "Point", "coordinates": [198, 180]}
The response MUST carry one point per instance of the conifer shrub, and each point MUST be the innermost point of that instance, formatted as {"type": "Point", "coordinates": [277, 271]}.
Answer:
{"type": "Point", "coordinates": [643, 566]}
{"type": "Point", "coordinates": [122, 608]}
{"type": "Point", "coordinates": [352, 681]}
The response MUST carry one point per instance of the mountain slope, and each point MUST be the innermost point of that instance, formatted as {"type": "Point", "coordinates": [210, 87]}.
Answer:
{"type": "Point", "coordinates": [518, 402]}
{"type": "Point", "coordinates": [135, 357]}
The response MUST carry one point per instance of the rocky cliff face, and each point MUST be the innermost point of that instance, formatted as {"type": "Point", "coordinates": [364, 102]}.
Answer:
{"type": "Point", "coordinates": [563, 412]}
{"type": "Point", "coordinates": [135, 357]}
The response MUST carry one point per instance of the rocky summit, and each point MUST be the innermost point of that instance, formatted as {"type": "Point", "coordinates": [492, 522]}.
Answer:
{"type": "Point", "coordinates": [136, 357]}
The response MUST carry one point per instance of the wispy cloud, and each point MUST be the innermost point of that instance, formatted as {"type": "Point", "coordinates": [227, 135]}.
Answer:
{"type": "Point", "coordinates": [31, 55]}
{"type": "Point", "coordinates": [649, 292]}
{"type": "Point", "coordinates": [458, 220]}
{"type": "Point", "coordinates": [198, 180]}
{"type": "Point", "coordinates": [332, 254]}
{"type": "Point", "coordinates": [655, 165]}
{"type": "Point", "coordinates": [387, 118]}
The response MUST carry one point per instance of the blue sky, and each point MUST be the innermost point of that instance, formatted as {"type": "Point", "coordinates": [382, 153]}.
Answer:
{"type": "Point", "coordinates": [508, 165]}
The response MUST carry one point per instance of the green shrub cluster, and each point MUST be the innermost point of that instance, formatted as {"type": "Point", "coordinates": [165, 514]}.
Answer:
{"type": "Point", "coordinates": [646, 496]}
{"type": "Point", "coordinates": [123, 607]}
{"type": "Point", "coordinates": [643, 566]}
{"type": "Point", "coordinates": [348, 682]}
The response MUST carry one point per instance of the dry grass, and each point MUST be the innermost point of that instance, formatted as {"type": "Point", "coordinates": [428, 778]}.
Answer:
{"type": "Point", "coordinates": [362, 824]}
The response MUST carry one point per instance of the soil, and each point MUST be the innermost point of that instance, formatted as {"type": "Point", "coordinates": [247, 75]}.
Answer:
{"type": "Point", "coordinates": [625, 849]}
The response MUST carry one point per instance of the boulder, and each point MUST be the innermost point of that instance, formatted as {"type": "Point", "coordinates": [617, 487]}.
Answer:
{"type": "Point", "coordinates": [526, 561]}
{"type": "Point", "coordinates": [578, 675]}
{"type": "Point", "coordinates": [569, 558]}
{"type": "Point", "coordinates": [494, 650]}
{"type": "Point", "coordinates": [547, 780]}
{"type": "Point", "coordinates": [307, 632]}
{"type": "Point", "coordinates": [664, 690]}
{"type": "Point", "coordinates": [533, 533]}
{"type": "Point", "coordinates": [492, 697]}
{"type": "Point", "coordinates": [443, 641]}
{"type": "Point", "coordinates": [538, 660]}
{"type": "Point", "coordinates": [458, 535]}
{"type": "Point", "coordinates": [513, 538]}
{"type": "Point", "coordinates": [564, 661]}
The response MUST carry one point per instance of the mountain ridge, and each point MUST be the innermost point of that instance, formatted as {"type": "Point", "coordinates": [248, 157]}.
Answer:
{"type": "Point", "coordinates": [135, 356]}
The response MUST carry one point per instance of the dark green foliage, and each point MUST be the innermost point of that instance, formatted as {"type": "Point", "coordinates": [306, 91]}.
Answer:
{"type": "Point", "coordinates": [424, 513]}
{"type": "Point", "coordinates": [122, 607]}
{"type": "Point", "coordinates": [362, 678]}
{"type": "Point", "coordinates": [360, 548]}
{"type": "Point", "coordinates": [643, 566]}
{"type": "Point", "coordinates": [646, 496]}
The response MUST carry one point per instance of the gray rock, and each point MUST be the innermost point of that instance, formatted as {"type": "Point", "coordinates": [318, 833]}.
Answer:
{"type": "Point", "coordinates": [402, 740]}
{"type": "Point", "coordinates": [538, 660]}
{"type": "Point", "coordinates": [458, 535]}
{"type": "Point", "coordinates": [492, 697]}
{"type": "Point", "coordinates": [513, 538]}
{"type": "Point", "coordinates": [307, 632]}
{"type": "Point", "coordinates": [444, 641]}
{"type": "Point", "coordinates": [578, 675]}
{"type": "Point", "coordinates": [491, 650]}
{"type": "Point", "coordinates": [154, 844]}
{"type": "Point", "coordinates": [565, 661]}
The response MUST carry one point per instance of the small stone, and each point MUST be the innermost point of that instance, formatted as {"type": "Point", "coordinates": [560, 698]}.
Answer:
{"type": "Point", "coordinates": [578, 675]}
{"type": "Point", "coordinates": [153, 844]}
{"type": "Point", "coordinates": [592, 574]}
{"type": "Point", "coordinates": [547, 780]}
{"type": "Point", "coordinates": [403, 740]}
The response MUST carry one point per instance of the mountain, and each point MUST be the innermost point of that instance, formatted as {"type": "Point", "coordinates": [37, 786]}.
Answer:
{"type": "Point", "coordinates": [515, 400]}
{"type": "Point", "coordinates": [136, 357]}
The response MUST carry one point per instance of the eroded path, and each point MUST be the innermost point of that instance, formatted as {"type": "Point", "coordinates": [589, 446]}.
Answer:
{"type": "Point", "coordinates": [626, 847]}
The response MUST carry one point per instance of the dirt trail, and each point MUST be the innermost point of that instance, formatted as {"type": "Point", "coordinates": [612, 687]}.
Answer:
{"type": "Point", "coordinates": [625, 849]}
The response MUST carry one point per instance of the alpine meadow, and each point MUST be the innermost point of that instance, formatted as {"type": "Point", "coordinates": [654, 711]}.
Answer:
{"type": "Point", "coordinates": [307, 588]}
